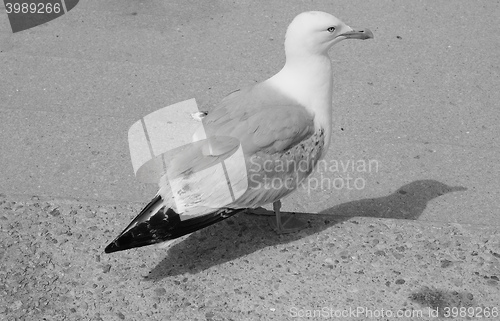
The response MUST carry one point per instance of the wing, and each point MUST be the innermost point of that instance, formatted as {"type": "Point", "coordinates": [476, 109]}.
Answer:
{"type": "Point", "coordinates": [263, 119]}
{"type": "Point", "coordinates": [268, 125]}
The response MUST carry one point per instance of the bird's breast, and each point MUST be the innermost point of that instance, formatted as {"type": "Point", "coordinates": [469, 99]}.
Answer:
{"type": "Point", "coordinates": [273, 176]}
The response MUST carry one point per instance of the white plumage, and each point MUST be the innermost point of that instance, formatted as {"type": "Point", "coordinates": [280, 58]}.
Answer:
{"type": "Point", "coordinates": [284, 120]}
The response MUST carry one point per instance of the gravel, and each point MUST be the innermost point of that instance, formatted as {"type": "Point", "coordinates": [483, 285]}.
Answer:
{"type": "Point", "coordinates": [53, 267]}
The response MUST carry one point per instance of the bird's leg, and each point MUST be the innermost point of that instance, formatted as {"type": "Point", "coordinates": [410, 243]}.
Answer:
{"type": "Point", "coordinates": [283, 224]}
{"type": "Point", "coordinates": [291, 223]}
{"type": "Point", "coordinates": [276, 208]}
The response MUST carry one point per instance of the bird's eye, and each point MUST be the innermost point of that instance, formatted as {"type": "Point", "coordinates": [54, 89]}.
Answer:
{"type": "Point", "coordinates": [331, 29]}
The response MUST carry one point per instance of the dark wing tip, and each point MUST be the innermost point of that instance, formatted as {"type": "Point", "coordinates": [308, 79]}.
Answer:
{"type": "Point", "coordinates": [146, 229]}
{"type": "Point", "coordinates": [125, 242]}
{"type": "Point", "coordinates": [112, 247]}
{"type": "Point", "coordinates": [165, 224]}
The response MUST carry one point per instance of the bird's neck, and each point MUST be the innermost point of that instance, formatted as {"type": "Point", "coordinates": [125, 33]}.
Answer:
{"type": "Point", "coordinates": [308, 80]}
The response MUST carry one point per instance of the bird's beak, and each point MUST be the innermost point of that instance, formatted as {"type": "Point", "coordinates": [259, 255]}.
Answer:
{"type": "Point", "coordinates": [362, 34]}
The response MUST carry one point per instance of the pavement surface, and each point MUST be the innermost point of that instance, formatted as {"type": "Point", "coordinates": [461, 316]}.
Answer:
{"type": "Point", "coordinates": [415, 134]}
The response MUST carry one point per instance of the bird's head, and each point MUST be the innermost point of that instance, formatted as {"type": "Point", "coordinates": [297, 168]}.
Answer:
{"type": "Point", "coordinates": [314, 32]}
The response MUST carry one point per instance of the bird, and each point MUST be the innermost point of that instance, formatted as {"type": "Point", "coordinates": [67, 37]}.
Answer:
{"type": "Point", "coordinates": [283, 126]}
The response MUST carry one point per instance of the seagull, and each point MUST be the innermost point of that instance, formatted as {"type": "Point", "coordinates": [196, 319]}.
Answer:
{"type": "Point", "coordinates": [283, 126]}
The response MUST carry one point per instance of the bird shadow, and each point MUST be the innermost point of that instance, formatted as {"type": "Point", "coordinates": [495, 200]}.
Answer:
{"type": "Point", "coordinates": [243, 234]}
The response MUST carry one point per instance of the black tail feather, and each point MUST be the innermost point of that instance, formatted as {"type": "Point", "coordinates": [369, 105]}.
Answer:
{"type": "Point", "coordinates": [155, 225]}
